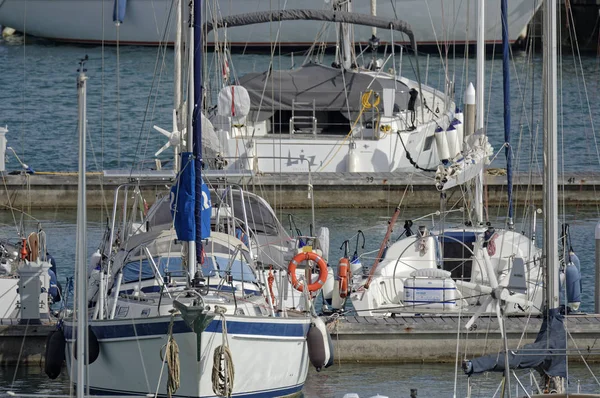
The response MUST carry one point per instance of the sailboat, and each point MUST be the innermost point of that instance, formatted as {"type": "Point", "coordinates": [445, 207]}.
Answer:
{"type": "Point", "coordinates": [351, 116]}
{"type": "Point", "coordinates": [28, 284]}
{"type": "Point", "coordinates": [548, 353]}
{"type": "Point", "coordinates": [446, 270]}
{"type": "Point", "coordinates": [210, 329]}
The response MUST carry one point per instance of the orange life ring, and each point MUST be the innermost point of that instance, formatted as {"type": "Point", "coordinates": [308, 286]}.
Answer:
{"type": "Point", "coordinates": [305, 256]}
{"type": "Point", "coordinates": [343, 267]}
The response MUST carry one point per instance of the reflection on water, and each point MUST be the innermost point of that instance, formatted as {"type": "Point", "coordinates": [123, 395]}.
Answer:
{"type": "Point", "coordinates": [367, 380]}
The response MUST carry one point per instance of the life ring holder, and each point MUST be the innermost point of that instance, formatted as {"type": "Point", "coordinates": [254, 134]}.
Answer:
{"type": "Point", "coordinates": [300, 258]}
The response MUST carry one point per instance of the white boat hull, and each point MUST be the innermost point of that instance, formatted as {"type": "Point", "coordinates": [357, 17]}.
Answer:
{"type": "Point", "coordinates": [130, 356]}
{"type": "Point", "coordinates": [90, 21]}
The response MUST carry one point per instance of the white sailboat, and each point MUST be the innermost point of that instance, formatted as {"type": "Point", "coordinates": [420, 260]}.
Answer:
{"type": "Point", "coordinates": [446, 270]}
{"type": "Point", "coordinates": [28, 284]}
{"type": "Point", "coordinates": [211, 328]}
{"type": "Point", "coordinates": [147, 23]}
{"type": "Point", "coordinates": [548, 353]}
{"type": "Point", "coordinates": [346, 117]}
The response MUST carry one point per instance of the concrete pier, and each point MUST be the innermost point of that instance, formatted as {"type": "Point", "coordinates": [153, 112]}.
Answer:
{"type": "Point", "coordinates": [434, 338]}
{"type": "Point", "coordinates": [23, 344]}
{"type": "Point", "coordinates": [59, 190]}
{"type": "Point", "coordinates": [378, 340]}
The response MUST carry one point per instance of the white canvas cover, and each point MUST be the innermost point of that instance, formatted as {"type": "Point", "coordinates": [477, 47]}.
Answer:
{"type": "Point", "coordinates": [233, 101]}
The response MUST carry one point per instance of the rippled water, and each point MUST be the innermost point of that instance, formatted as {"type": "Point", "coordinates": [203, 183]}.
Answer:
{"type": "Point", "coordinates": [39, 102]}
{"type": "Point", "coordinates": [38, 96]}
{"type": "Point", "coordinates": [366, 380]}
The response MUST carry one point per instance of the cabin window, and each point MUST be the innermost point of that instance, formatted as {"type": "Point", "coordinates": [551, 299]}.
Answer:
{"type": "Point", "coordinates": [428, 143]}
{"type": "Point", "coordinates": [240, 270]}
{"type": "Point", "coordinates": [141, 269]}
{"type": "Point", "coordinates": [457, 248]}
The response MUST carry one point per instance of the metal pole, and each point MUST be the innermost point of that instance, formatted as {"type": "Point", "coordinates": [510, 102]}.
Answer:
{"type": "Point", "coordinates": [191, 246]}
{"type": "Point", "coordinates": [374, 13]}
{"type": "Point", "coordinates": [80, 243]}
{"type": "Point", "coordinates": [550, 155]}
{"type": "Point", "coordinates": [178, 100]}
{"type": "Point", "coordinates": [480, 100]}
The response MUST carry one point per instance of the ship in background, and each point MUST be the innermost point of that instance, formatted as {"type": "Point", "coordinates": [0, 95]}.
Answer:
{"type": "Point", "coordinates": [152, 22]}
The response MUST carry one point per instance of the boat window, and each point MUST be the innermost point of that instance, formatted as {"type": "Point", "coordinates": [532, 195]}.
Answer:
{"type": "Point", "coordinates": [428, 143]}
{"type": "Point", "coordinates": [240, 270]}
{"type": "Point", "coordinates": [458, 258]}
{"type": "Point", "coordinates": [137, 270]}
{"type": "Point", "coordinates": [208, 267]}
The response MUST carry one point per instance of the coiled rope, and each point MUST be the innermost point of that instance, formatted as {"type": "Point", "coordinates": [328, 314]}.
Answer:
{"type": "Point", "coordinates": [366, 100]}
{"type": "Point", "coordinates": [223, 372]}
{"type": "Point", "coordinates": [172, 356]}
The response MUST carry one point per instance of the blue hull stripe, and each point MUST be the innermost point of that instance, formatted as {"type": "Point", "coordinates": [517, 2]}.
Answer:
{"type": "Point", "coordinates": [156, 289]}
{"type": "Point", "coordinates": [429, 302]}
{"type": "Point", "coordinates": [141, 329]}
{"type": "Point", "coordinates": [257, 394]}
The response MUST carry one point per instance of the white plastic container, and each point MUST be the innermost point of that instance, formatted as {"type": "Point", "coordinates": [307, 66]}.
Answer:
{"type": "Point", "coordinates": [430, 293]}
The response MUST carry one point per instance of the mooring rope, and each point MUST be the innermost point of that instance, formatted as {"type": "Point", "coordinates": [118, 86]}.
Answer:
{"type": "Point", "coordinates": [223, 372]}
{"type": "Point", "coordinates": [172, 357]}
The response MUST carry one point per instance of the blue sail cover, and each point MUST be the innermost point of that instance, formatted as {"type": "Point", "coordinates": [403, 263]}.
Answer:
{"type": "Point", "coordinates": [119, 10]}
{"type": "Point", "coordinates": [205, 211]}
{"type": "Point", "coordinates": [547, 354]}
{"type": "Point", "coordinates": [183, 199]}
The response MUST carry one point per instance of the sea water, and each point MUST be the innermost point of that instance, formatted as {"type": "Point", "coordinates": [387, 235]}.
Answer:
{"type": "Point", "coordinates": [130, 89]}
{"type": "Point", "coordinates": [366, 380]}
{"type": "Point", "coordinates": [39, 105]}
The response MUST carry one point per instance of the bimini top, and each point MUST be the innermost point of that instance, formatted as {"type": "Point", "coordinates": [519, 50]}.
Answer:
{"type": "Point", "coordinates": [323, 84]}
{"type": "Point", "coordinates": [253, 18]}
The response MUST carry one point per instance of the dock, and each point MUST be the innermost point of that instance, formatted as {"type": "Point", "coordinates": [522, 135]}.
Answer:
{"type": "Point", "coordinates": [358, 339]}
{"type": "Point", "coordinates": [433, 339]}
{"type": "Point", "coordinates": [353, 190]}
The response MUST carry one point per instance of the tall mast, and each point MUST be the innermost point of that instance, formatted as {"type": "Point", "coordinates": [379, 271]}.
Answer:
{"type": "Point", "coordinates": [480, 92]}
{"type": "Point", "coordinates": [197, 118]}
{"type": "Point", "coordinates": [191, 254]}
{"type": "Point", "coordinates": [346, 53]}
{"type": "Point", "coordinates": [178, 99]}
{"type": "Point", "coordinates": [374, 13]}
{"type": "Point", "coordinates": [550, 155]}
{"type": "Point", "coordinates": [506, 86]}
{"type": "Point", "coordinates": [80, 243]}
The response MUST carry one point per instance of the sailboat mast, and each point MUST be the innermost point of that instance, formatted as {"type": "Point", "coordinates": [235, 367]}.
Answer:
{"type": "Point", "coordinates": [480, 92]}
{"type": "Point", "coordinates": [197, 118]}
{"type": "Point", "coordinates": [191, 245]}
{"type": "Point", "coordinates": [506, 87]}
{"type": "Point", "coordinates": [550, 155]}
{"type": "Point", "coordinates": [178, 99]}
{"type": "Point", "coordinates": [374, 13]}
{"type": "Point", "coordinates": [346, 55]}
{"type": "Point", "coordinates": [80, 243]}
